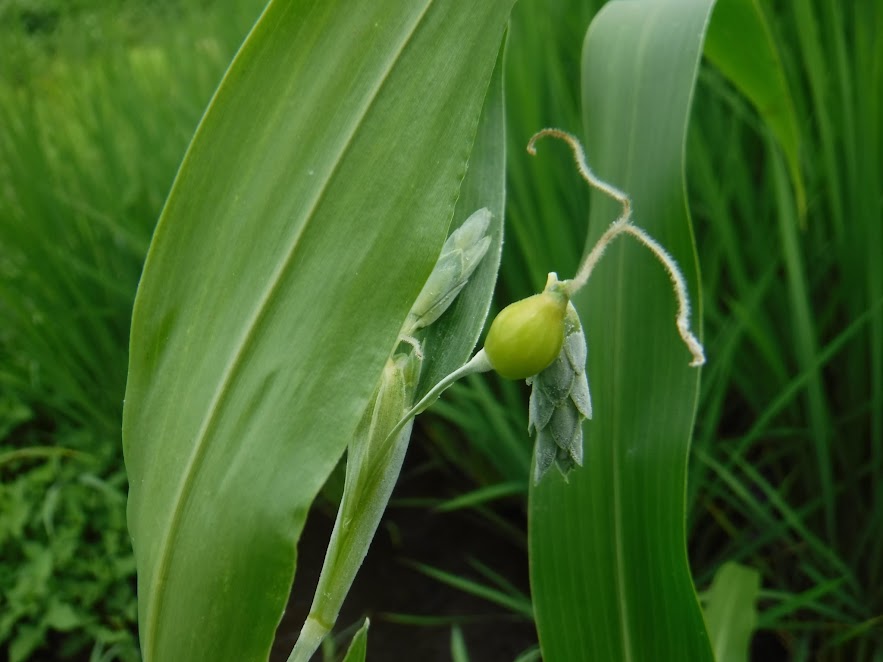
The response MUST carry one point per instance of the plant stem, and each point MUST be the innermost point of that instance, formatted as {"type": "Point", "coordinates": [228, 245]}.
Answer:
{"type": "Point", "coordinates": [478, 363]}
{"type": "Point", "coordinates": [372, 470]}
{"type": "Point", "coordinates": [311, 635]}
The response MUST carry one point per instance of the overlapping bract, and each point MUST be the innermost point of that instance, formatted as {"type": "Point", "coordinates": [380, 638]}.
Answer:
{"type": "Point", "coordinates": [560, 402]}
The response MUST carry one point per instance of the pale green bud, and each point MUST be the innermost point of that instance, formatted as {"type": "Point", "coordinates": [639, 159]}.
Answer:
{"type": "Point", "coordinates": [527, 336]}
{"type": "Point", "coordinates": [459, 257]}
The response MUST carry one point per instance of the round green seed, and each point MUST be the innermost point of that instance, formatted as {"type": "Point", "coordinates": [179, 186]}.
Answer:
{"type": "Point", "coordinates": [526, 337]}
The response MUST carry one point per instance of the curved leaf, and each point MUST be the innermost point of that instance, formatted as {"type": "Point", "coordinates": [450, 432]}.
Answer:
{"type": "Point", "coordinates": [609, 569]}
{"type": "Point", "coordinates": [740, 43]}
{"type": "Point", "coordinates": [308, 212]}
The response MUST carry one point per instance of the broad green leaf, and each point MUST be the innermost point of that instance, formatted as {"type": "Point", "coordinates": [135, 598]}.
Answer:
{"type": "Point", "coordinates": [609, 570]}
{"type": "Point", "coordinates": [740, 43]}
{"type": "Point", "coordinates": [309, 210]}
{"type": "Point", "coordinates": [730, 611]}
{"type": "Point", "coordinates": [359, 645]}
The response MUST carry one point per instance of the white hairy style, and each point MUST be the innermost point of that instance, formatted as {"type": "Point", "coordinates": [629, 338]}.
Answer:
{"type": "Point", "coordinates": [624, 225]}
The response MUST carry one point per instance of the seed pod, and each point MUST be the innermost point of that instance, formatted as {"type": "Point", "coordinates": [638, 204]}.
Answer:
{"type": "Point", "coordinates": [527, 336]}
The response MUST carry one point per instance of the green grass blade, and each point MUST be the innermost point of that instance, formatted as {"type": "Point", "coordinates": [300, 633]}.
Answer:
{"type": "Point", "coordinates": [532, 654]}
{"type": "Point", "coordinates": [254, 349]}
{"type": "Point", "coordinates": [730, 611]}
{"type": "Point", "coordinates": [459, 652]}
{"type": "Point", "coordinates": [482, 495]}
{"type": "Point", "coordinates": [609, 569]}
{"type": "Point", "coordinates": [506, 597]}
{"type": "Point", "coordinates": [803, 315]}
{"type": "Point", "coordinates": [816, 599]}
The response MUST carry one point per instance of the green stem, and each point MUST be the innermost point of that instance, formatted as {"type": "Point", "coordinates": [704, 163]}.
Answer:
{"type": "Point", "coordinates": [372, 470]}
{"type": "Point", "coordinates": [478, 363]}
{"type": "Point", "coordinates": [309, 640]}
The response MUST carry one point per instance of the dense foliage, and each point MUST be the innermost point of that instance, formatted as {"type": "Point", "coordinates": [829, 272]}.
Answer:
{"type": "Point", "coordinates": [97, 105]}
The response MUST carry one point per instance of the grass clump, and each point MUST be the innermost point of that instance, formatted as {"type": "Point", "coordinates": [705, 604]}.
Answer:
{"type": "Point", "coordinates": [788, 470]}
{"type": "Point", "coordinates": [97, 105]}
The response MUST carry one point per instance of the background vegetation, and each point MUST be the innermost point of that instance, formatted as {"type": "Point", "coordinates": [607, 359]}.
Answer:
{"type": "Point", "coordinates": [97, 104]}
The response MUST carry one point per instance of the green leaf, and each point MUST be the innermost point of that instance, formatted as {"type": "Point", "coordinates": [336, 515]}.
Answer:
{"type": "Point", "coordinates": [308, 212]}
{"type": "Point", "coordinates": [62, 616]}
{"type": "Point", "coordinates": [609, 570]}
{"type": "Point", "coordinates": [359, 645]}
{"type": "Point", "coordinates": [506, 596]}
{"type": "Point", "coordinates": [741, 45]}
{"type": "Point", "coordinates": [26, 641]}
{"type": "Point", "coordinates": [730, 611]}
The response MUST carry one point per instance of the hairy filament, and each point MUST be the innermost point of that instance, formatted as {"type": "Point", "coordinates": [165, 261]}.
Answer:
{"type": "Point", "coordinates": [624, 225]}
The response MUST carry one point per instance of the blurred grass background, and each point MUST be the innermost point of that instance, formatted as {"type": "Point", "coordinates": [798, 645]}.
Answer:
{"type": "Point", "coordinates": [98, 101]}
{"type": "Point", "coordinates": [97, 104]}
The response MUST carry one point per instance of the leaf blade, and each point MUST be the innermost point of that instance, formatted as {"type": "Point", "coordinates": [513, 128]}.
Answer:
{"type": "Point", "coordinates": [740, 43]}
{"type": "Point", "coordinates": [609, 571]}
{"type": "Point", "coordinates": [258, 240]}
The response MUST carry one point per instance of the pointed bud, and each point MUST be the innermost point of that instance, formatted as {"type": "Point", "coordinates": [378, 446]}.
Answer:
{"type": "Point", "coordinates": [460, 255]}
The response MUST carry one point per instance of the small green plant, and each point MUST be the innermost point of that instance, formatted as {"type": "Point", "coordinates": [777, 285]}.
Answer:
{"type": "Point", "coordinates": [539, 338]}
{"type": "Point", "coordinates": [67, 569]}
{"type": "Point", "coordinates": [376, 453]}
{"type": "Point", "coordinates": [273, 318]}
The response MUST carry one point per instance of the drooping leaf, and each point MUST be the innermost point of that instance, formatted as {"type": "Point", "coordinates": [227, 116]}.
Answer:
{"type": "Point", "coordinates": [308, 212]}
{"type": "Point", "coordinates": [740, 43]}
{"type": "Point", "coordinates": [609, 569]}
